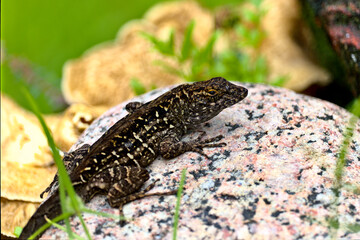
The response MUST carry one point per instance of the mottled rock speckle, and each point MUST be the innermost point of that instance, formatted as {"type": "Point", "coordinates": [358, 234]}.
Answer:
{"type": "Point", "coordinates": [272, 180]}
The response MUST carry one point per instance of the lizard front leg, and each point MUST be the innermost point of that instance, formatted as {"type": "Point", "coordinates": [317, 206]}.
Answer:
{"type": "Point", "coordinates": [171, 147]}
{"type": "Point", "coordinates": [70, 160]}
{"type": "Point", "coordinates": [133, 106]}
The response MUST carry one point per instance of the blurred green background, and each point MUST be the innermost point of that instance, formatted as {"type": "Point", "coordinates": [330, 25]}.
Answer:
{"type": "Point", "coordinates": [39, 36]}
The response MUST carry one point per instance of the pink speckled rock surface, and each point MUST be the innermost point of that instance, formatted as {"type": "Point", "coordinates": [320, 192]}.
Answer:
{"type": "Point", "coordinates": [272, 180]}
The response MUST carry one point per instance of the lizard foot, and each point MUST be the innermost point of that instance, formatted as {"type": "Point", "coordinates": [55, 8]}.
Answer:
{"type": "Point", "coordinates": [170, 147]}
{"type": "Point", "coordinates": [198, 145]}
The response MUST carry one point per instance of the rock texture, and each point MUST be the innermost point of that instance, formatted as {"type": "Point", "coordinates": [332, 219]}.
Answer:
{"type": "Point", "coordinates": [272, 180]}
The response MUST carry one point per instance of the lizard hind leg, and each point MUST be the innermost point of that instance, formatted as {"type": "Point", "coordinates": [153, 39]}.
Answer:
{"type": "Point", "coordinates": [120, 202]}
{"type": "Point", "coordinates": [117, 181]}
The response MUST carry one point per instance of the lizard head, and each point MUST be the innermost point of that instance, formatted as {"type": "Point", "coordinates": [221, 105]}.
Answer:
{"type": "Point", "coordinates": [208, 98]}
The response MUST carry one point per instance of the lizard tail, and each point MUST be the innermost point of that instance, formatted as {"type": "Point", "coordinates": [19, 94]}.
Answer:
{"type": "Point", "coordinates": [49, 208]}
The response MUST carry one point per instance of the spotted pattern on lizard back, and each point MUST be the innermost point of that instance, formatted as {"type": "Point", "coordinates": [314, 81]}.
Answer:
{"type": "Point", "coordinates": [137, 138]}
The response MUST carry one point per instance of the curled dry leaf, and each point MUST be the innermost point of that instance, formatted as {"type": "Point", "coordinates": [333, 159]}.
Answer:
{"type": "Point", "coordinates": [26, 161]}
{"type": "Point", "coordinates": [22, 139]}
{"type": "Point", "coordinates": [287, 46]}
{"type": "Point", "coordinates": [15, 214]}
{"type": "Point", "coordinates": [111, 66]}
{"type": "Point", "coordinates": [73, 122]}
{"type": "Point", "coordinates": [21, 182]}
{"type": "Point", "coordinates": [102, 75]}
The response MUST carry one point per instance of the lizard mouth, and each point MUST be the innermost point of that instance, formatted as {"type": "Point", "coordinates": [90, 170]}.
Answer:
{"type": "Point", "coordinates": [237, 94]}
{"type": "Point", "coordinates": [243, 93]}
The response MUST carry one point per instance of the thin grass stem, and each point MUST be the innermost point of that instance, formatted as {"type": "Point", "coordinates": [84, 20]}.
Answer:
{"type": "Point", "coordinates": [177, 208]}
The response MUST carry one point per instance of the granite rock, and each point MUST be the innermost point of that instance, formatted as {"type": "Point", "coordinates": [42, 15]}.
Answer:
{"type": "Point", "coordinates": [274, 178]}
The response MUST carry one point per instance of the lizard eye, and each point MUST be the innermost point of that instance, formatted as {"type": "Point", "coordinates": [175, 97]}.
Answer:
{"type": "Point", "coordinates": [212, 92]}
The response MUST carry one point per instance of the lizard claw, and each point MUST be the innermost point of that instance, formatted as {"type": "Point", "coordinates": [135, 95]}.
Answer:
{"type": "Point", "coordinates": [122, 221]}
{"type": "Point", "coordinates": [207, 143]}
{"type": "Point", "coordinates": [214, 139]}
{"type": "Point", "coordinates": [202, 134]}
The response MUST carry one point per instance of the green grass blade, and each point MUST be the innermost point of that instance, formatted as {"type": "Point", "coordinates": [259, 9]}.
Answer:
{"type": "Point", "coordinates": [341, 161]}
{"type": "Point", "coordinates": [137, 86]}
{"type": "Point", "coordinates": [62, 228]}
{"type": "Point", "coordinates": [64, 179]}
{"type": "Point", "coordinates": [187, 44]}
{"type": "Point", "coordinates": [204, 55]}
{"type": "Point", "coordinates": [352, 188]}
{"type": "Point", "coordinates": [46, 225]}
{"type": "Point", "coordinates": [203, 60]}
{"type": "Point", "coordinates": [354, 227]}
{"type": "Point", "coordinates": [169, 68]}
{"type": "Point", "coordinates": [17, 231]}
{"type": "Point", "coordinates": [102, 214]}
{"type": "Point", "coordinates": [64, 208]}
{"type": "Point", "coordinates": [164, 47]}
{"type": "Point", "coordinates": [177, 208]}
{"type": "Point", "coordinates": [86, 230]}
{"type": "Point", "coordinates": [279, 81]}
{"type": "Point", "coordinates": [55, 151]}
{"type": "Point", "coordinates": [355, 107]}
{"type": "Point", "coordinates": [171, 43]}
{"type": "Point", "coordinates": [333, 220]}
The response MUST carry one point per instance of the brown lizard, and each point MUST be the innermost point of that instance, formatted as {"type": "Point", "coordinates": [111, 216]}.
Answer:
{"type": "Point", "coordinates": [115, 163]}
